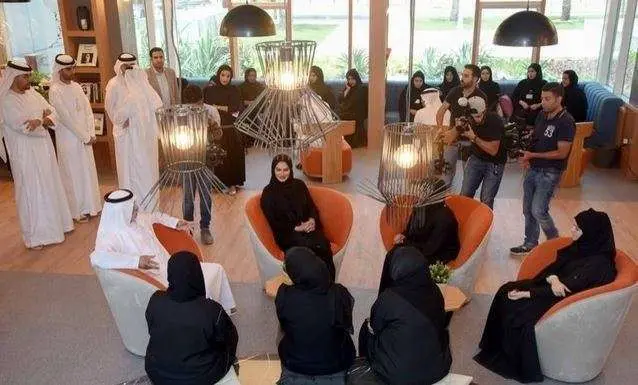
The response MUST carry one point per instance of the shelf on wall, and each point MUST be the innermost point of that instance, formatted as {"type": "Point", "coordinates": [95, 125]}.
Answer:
{"type": "Point", "coordinates": [87, 70]}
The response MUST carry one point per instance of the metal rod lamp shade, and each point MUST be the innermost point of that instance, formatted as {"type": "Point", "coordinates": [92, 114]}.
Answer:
{"type": "Point", "coordinates": [287, 117]}
{"type": "Point", "coordinates": [184, 138]}
{"type": "Point", "coordinates": [526, 29]}
{"type": "Point", "coordinates": [247, 21]}
{"type": "Point", "coordinates": [409, 178]}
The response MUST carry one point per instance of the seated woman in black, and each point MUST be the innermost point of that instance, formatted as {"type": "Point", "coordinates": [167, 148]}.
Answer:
{"type": "Point", "coordinates": [574, 99]}
{"type": "Point", "coordinates": [418, 86]}
{"type": "Point", "coordinates": [291, 213]}
{"type": "Point", "coordinates": [450, 80]}
{"type": "Point", "coordinates": [527, 95]}
{"type": "Point", "coordinates": [489, 87]}
{"type": "Point", "coordinates": [250, 88]}
{"type": "Point", "coordinates": [192, 339]}
{"type": "Point", "coordinates": [315, 315]}
{"type": "Point", "coordinates": [353, 105]}
{"type": "Point", "coordinates": [508, 346]}
{"type": "Point", "coordinates": [406, 340]}
{"type": "Point", "coordinates": [317, 84]}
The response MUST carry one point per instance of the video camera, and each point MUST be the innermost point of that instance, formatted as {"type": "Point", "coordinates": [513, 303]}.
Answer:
{"type": "Point", "coordinates": [517, 139]}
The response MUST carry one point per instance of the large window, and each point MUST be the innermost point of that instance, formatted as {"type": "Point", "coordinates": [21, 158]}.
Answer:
{"type": "Point", "coordinates": [325, 22]}
{"type": "Point", "coordinates": [360, 39]}
{"type": "Point", "coordinates": [442, 37]}
{"type": "Point", "coordinates": [32, 30]}
{"type": "Point", "coordinates": [631, 60]}
{"type": "Point", "coordinates": [201, 49]}
{"type": "Point", "coordinates": [577, 21]}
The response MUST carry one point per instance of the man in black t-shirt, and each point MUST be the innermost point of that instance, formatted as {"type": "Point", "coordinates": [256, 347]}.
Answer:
{"type": "Point", "coordinates": [547, 159]}
{"type": "Point", "coordinates": [456, 102]}
{"type": "Point", "coordinates": [487, 160]}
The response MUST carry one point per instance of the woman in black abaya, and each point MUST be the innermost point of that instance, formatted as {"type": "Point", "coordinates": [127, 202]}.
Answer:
{"type": "Point", "coordinates": [527, 95]}
{"type": "Point", "coordinates": [574, 98]}
{"type": "Point", "coordinates": [291, 213]}
{"type": "Point", "coordinates": [317, 84]}
{"type": "Point", "coordinates": [226, 98]}
{"type": "Point", "coordinates": [406, 340]}
{"type": "Point", "coordinates": [315, 315]}
{"type": "Point", "coordinates": [489, 87]}
{"type": "Point", "coordinates": [450, 80]}
{"type": "Point", "coordinates": [353, 105]}
{"type": "Point", "coordinates": [417, 84]}
{"type": "Point", "coordinates": [508, 345]}
{"type": "Point", "coordinates": [192, 339]}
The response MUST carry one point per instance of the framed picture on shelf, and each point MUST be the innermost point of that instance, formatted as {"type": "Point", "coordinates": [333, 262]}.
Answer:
{"type": "Point", "coordinates": [87, 55]}
{"type": "Point", "coordinates": [98, 117]}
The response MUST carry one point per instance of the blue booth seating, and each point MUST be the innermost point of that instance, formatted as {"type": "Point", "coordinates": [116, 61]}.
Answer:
{"type": "Point", "coordinates": [602, 109]}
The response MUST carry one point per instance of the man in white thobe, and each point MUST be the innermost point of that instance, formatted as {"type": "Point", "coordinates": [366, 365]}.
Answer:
{"type": "Point", "coordinates": [126, 240]}
{"type": "Point", "coordinates": [131, 104]}
{"type": "Point", "coordinates": [431, 104]}
{"type": "Point", "coordinates": [75, 134]}
{"type": "Point", "coordinates": [43, 210]}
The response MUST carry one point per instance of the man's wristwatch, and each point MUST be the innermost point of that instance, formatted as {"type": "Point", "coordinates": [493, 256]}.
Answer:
{"type": "Point", "coordinates": [473, 140]}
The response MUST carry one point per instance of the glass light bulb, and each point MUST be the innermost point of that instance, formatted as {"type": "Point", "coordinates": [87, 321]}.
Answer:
{"type": "Point", "coordinates": [182, 139]}
{"type": "Point", "coordinates": [406, 156]}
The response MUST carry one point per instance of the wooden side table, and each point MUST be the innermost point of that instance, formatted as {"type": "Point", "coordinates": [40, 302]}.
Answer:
{"type": "Point", "coordinates": [331, 160]}
{"type": "Point", "coordinates": [571, 175]}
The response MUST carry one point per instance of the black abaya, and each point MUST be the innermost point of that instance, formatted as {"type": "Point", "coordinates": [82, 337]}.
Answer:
{"type": "Point", "coordinates": [574, 100]}
{"type": "Point", "coordinates": [434, 231]}
{"type": "Point", "coordinates": [315, 315]}
{"type": "Point", "coordinates": [288, 204]}
{"type": "Point", "coordinates": [192, 339]}
{"type": "Point", "coordinates": [354, 106]}
{"type": "Point", "coordinates": [415, 97]}
{"type": "Point", "coordinates": [232, 171]}
{"type": "Point", "coordinates": [446, 86]}
{"type": "Point", "coordinates": [408, 342]}
{"type": "Point", "coordinates": [508, 346]}
{"type": "Point", "coordinates": [320, 87]}
{"type": "Point", "coordinates": [528, 91]}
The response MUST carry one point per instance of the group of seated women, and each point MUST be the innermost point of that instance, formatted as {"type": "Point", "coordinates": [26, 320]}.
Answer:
{"type": "Point", "coordinates": [526, 97]}
{"type": "Point", "coordinates": [405, 340]}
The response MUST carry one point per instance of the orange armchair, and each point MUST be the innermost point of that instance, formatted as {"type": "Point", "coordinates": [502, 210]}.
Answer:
{"type": "Point", "coordinates": [576, 335]}
{"type": "Point", "coordinates": [335, 213]}
{"type": "Point", "coordinates": [128, 291]}
{"type": "Point", "coordinates": [475, 225]}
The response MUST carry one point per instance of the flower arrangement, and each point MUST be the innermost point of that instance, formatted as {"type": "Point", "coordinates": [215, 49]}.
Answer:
{"type": "Point", "coordinates": [440, 273]}
{"type": "Point", "coordinates": [40, 82]}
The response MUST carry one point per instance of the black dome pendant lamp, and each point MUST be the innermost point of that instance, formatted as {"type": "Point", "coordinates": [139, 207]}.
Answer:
{"type": "Point", "coordinates": [15, 1]}
{"type": "Point", "coordinates": [526, 29]}
{"type": "Point", "coordinates": [247, 21]}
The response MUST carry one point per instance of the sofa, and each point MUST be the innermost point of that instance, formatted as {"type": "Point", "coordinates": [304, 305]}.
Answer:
{"type": "Point", "coordinates": [603, 106]}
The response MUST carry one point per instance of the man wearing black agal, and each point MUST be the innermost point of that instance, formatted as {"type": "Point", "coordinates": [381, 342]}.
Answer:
{"type": "Point", "coordinates": [545, 162]}
{"type": "Point", "coordinates": [487, 160]}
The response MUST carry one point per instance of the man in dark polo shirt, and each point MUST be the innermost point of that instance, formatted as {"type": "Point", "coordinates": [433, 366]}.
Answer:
{"type": "Point", "coordinates": [551, 142]}
{"type": "Point", "coordinates": [456, 102]}
{"type": "Point", "coordinates": [487, 160]}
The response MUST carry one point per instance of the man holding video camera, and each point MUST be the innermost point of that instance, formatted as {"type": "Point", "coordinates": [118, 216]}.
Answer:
{"type": "Point", "coordinates": [486, 163]}
{"type": "Point", "coordinates": [456, 102]}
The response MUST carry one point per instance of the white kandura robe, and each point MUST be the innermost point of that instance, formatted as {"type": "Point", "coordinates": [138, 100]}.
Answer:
{"type": "Point", "coordinates": [43, 210]}
{"type": "Point", "coordinates": [122, 250]}
{"type": "Point", "coordinates": [136, 147]}
{"type": "Point", "coordinates": [76, 126]}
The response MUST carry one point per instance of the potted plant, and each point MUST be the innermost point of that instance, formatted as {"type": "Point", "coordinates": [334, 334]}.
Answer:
{"type": "Point", "coordinates": [440, 273]}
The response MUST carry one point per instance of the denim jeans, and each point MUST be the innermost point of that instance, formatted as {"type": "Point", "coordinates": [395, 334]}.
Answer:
{"type": "Point", "coordinates": [538, 190]}
{"type": "Point", "coordinates": [451, 155]}
{"type": "Point", "coordinates": [191, 184]}
{"type": "Point", "coordinates": [484, 173]}
{"type": "Point", "coordinates": [291, 378]}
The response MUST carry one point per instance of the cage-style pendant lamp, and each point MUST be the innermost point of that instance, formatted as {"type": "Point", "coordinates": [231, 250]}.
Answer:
{"type": "Point", "coordinates": [184, 138]}
{"type": "Point", "coordinates": [288, 116]}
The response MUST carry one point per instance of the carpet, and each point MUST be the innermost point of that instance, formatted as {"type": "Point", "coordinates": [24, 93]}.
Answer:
{"type": "Point", "coordinates": [57, 329]}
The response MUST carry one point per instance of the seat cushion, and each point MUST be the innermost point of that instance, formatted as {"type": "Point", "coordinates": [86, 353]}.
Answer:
{"type": "Point", "coordinates": [175, 240]}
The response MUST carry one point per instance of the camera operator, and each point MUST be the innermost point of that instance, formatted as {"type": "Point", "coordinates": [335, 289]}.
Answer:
{"type": "Point", "coordinates": [485, 166]}
{"type": "Point", "coordinates": [547, 159]}
{"type": "Point", "coordinates": [456, 102]}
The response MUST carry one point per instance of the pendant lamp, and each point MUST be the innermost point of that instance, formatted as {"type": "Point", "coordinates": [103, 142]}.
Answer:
{"type": "Point", "coordinates": [526, 29]}
{"type": "Point", "coordinates": [15, 1]}
{"type": "Point", "coordinates": [247, 21]}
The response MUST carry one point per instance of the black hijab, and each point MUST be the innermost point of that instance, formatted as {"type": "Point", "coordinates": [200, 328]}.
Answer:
{"type": "Point", "coordinates": [309, 273]}
{"type": "Point", "coordinates": [274, 182]}
{"type": "Point", "coordinates": [406, 272]}
{"type": "Point", "coordinates": [574, 98]}
{"type": "Point", "coordinates": [490, 88]}
{"type": "Point", "coordinates": [248, 90]}
{"type": "Point", "coordinates": [352, 72]}
{"type": "Point", "coordinates": [597, 237]}
{"type": "Point", "coordinates": [321, 88]}
{"type": "Point", "coordinates": [185, 277]}
{"type": "Point", "coordinates": [223, 67]}
{"type": "Point", "coordinates": [538, 80]}
{"type": "Point", "coordinates": [446, 86]}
